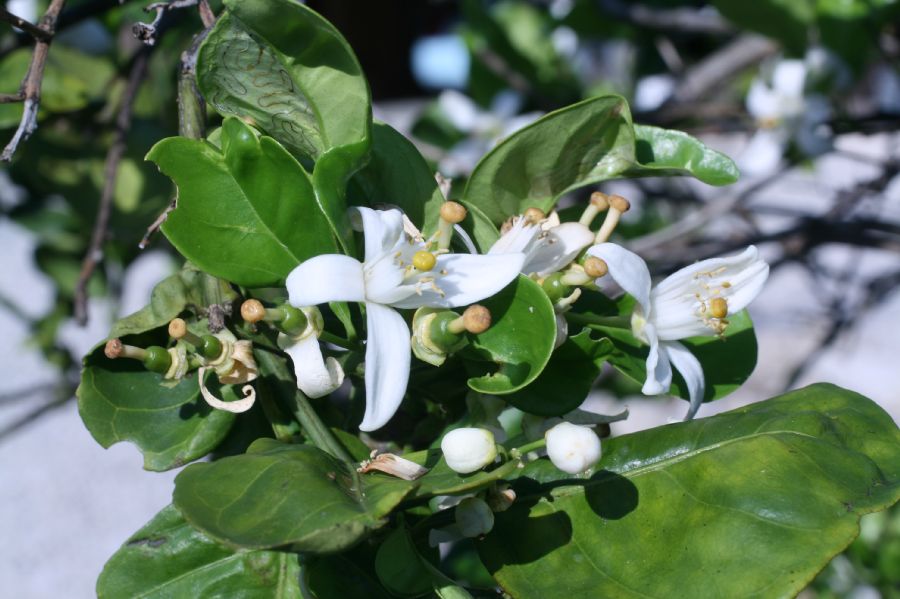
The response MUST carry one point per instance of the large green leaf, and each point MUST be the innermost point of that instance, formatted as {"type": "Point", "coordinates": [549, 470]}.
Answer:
{"type": "Point", "coordinates": [584, 144]}
{"type": "Point", "coordinates": [169, 558]}
{"type": "Point", "coordinates": [291, 71]}
{"type": "Point", "coordinates": [278, 494]}
{"type": "Point", "coordinates": [119, 400]}
{"type": "Point", "coordinates": [398, 175]}
{"type": "Point", "coordinates": [519, 342]}
{"type": "Point", "coordinates": [752, 502]}
{"type": "Point", "coordinates": [167, 300]}
{"type": "Point", "coordinates": [247, 214]}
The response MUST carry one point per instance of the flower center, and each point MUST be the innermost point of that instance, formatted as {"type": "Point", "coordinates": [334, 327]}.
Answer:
{"type": "Point", "coordinates": [423, 260]}
{"type": "Point", "coordinates": [712, 306]}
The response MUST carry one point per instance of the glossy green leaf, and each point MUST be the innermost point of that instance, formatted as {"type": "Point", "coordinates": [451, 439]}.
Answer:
{"type": "Point", "coordinates": [119, 400]}
{"type": "Point", "coordinates": [665, 152]}
{"type": "Point", "coordinates": [247, 214]}
{"type": "Point", "coordinates": [278, 494]}
{"type": "Point", "coordinates": [519, 342]}
{"type": "Point", "coordinates": [168, 558]}
{"type": "Point", "coordinates": [340, 577]}
{"type": "Point", "coordinates": [567, 379]}
{"type": "Point", "coordinates": [167, 300]}
{"type": "Point", "coordinates": [752, 502]}
{"type": "Point", "coordinates": [399, 568]}
{"type": "Point", "coordinates": [283, 65]}
{"type": "Point", "coordinates": [584, 144]}
{"type": "Point", "coordinates": [398, 175]}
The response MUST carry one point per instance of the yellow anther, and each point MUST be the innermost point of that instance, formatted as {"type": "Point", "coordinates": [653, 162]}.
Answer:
{"type": "Point", "coordinates": [534, 215]}
{"type": "Point", "coordinates": [595, 267]}
{"type": "Point", "coordinates": [424, 261]}
{"type": "Point", "coordinates": [476, 319]}
{"type": "Point", "coordinates": [619, 203]}
{"type": "Point", "coordinates": [600, 200]}
{"type": "Point", "coordinates": [453, 212]}
{"type": "Point", "coordinates": [726, 285]}
{"type": "Point", "coordinates": [252, 310]}
{"type": "Point", "coordinates": [178, 328]}
{"type": "Point", "coordinates": [718, 307]}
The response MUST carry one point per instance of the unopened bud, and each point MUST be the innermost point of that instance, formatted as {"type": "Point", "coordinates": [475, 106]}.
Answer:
{"type": "Point", "coordinates": [572, 448]}
{"type": "Point", "coordinates": [474, 517]}
{"type": "Point", "coordinates": [595, 267]}
{"type": "Point", "coordinates": [453, 212]}
{"type": "Point", "coordinates": [253, 311]}
{"type": "Point", "coordinates": [476, 319]}
{"type": "Point", "coordinates": [468, 449]}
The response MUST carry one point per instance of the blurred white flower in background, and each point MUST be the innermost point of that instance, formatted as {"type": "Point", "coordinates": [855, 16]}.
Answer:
{"type": "Point", "coordinates": [786, 111]}
{"type": "Point", "coordinates": [484, 128]}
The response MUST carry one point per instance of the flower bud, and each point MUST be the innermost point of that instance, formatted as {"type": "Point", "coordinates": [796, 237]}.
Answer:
{"type": "Point", "coordinates": [474, 517]}
{"type": "Point", "coordinates": [572, 448]}
{"type": "Point", "coordinates": [468, 449]}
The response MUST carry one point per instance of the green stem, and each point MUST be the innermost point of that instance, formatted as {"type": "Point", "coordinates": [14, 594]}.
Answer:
{"type": "Point", "coordinates": [518, 452]}
{"type": "Point", "coordinates": [616, 322]}
{"type": "Point", "coordinates": [339, 341]}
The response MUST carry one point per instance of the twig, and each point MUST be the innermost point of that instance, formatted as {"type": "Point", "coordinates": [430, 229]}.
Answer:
{"type": "Point", "coordinates": [682, 20]}
{"type": "Point", "coordinates": [111, 168]}
{"type": "Point", "coordinates": [26, 26]}
{"type": "Point", "coordinates": [31, 85]}
{"type": "Point", "coordinates": [70, 16]}
{"type": "Point", "coordinates": [147, 32]}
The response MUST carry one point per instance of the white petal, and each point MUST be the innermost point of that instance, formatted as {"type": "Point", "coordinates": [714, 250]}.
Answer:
{"type": "Point", "coordinates": [517, 239]}
{"type": "Point", "coordinates": [469, 279]}
{"type": "Point", "coordinates": [382, 229]}
{"type": "Point", "coordinates": [659, 370]}
{"type": "Point", "coordinates": [691, 371]}
{"type": "Point", "coordinates": [572, 448]}
{"type": "Point", "coordinates": [789, 77]}
{"type": "Point", "coordinates": [459, 109]}
{"type": "Point", "coordinates": [235, 407]}
{"type": "Point", "coordinates": [315, 377]}
{"type": "Point", "coordinates": [763, 102]}
{"type": "Point", "coordinates": [628, 270]}
{"type": "Point", "coordinates": [387, 365]}
{"type": "Point", "coordinates": [763, 154]}
{"type": "Point", "coordinates": [326, 278]}
{"type": "Point", "coordinates": [558, 248]}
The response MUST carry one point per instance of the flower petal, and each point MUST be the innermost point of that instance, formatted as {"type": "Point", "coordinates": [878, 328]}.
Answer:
{"type": "Point", "coordinates": [326, 278]}
{"type": "Point", "coordinates": [659, 370]}
{"type": "Point", "coordinates": [387, 365]}
{"type": "Point", "coordinates": [517, 239]}
{"type": "Point", "coordinates": [691, 371]}
{"type": "Point", "coordinates": [382, 229]}
{"type": "Point", "coordinates": [235, 407]}
{"type": "Point", "coordinates": [628, 270]}
{"type": "Point", "coordinates": [468, 279]}
{"type": "Point", "coordinates": [789, 78]}
{"type": "Point", "coordinates": [315, 377]}
{"type": "Point", "coordinates": [763, 102]}
{"type": "Point", "coordinates": [558, 248]}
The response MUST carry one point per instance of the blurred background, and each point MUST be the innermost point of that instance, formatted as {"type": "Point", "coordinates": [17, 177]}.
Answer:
{"type": "Point", "coordinates": [803, 94]}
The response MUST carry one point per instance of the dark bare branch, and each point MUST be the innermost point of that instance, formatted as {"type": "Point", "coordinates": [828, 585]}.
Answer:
{"type": "Point", "coordinates": [123, 123]}
{"type": "Point", "coordinates": [26, 26]}
{"type": "Point", "coordinates": [684, 20]}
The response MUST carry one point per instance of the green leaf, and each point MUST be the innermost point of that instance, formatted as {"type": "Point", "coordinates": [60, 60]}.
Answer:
{"type": "Point", "coordinates": [119, 400]}
{"type": "Point", "coordinates": [567, 379]}
{"type": "Point", "coordinates": [247, 214]}
{"type": "Point", "coordinates": [752, 502]}
{"type": "Point", "coordinates": [168, 558]}
{"type": "Point", "coordinates": [339, 577]}
{"type": "Point", "coordinates": [399, 568]}
{"type": "Point", "coordinates": [665, 152]}
{"type": "Point", "coordinates": [584, 144]}
{"type": "Point", "coordinates": [283, 65]}
{"type": "Point", "coordinates": [519, 341]}
{"type": "Point", "coordinates": [278, 494]}
{"type": "Point", "coordinates": [168, 299]}
{"type": "Point", "coordinates": [397, 174]}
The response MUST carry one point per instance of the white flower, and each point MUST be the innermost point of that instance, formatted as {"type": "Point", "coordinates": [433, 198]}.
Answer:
{"type": "Point", "coordinates": [388, 279]}
{"type": "Point", "coordinates": [316, 377]}
{"type": "Point", "coordinates": [572, 448]}
{"type": "Point", "coordinates": [548, 245]}
{"type": "Point", "coordinates": [485, 128]}
{"type": "Point", "coordinates": [468, 449]}
{"type": "Point", "coordinates": [693, 301]}
{"type": "Point", "coordinates": [784, 112]}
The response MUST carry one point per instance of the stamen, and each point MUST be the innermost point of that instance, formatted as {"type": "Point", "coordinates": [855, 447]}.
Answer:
{"type": "Point", "coordinates": [595, 267]}
{"type": "Point", "coordinates": [424, 261]}
{"type": "Point", "coordinates": [599, 203]}
{"type": "Point", "coordinates": [617, 206]}
{"type": "Point", "coordinates": [534, 215]}
{"type": "Point", "coordinates": [718, 307]}
{"type": "Point", "coordinates": [452, 213]}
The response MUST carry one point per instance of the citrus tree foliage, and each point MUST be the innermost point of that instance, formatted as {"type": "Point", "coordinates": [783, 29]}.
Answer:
{"type": "Point", "coordinates": [754, 501]}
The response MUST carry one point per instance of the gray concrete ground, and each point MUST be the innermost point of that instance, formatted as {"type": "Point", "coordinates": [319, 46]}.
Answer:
{"type": "Point", "coordinates": [68, 504]}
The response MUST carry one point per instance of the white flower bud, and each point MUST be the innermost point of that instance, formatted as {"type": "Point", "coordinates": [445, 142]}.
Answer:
{"type": "Point", "coordinates": [468, 449]}
{"type": "Point", "coordinates": [474, 517]}
{"type": "Point", "coordinates": [572, 448]}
